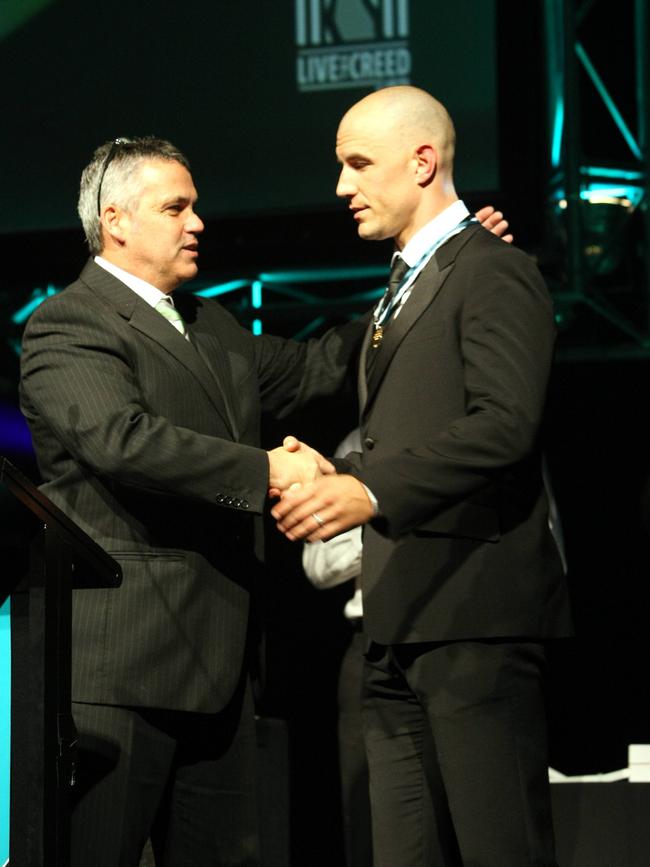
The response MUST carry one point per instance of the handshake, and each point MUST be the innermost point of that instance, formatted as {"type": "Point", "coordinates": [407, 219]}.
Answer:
{"type": "Point", "coordinates": [315, 503]}
{"type": "Point", "coordinates": [293, 464]}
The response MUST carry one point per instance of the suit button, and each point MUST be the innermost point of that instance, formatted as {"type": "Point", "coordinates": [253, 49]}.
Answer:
{"type": "Point", "coordinates": [228, 501]}
{"type": "Point", "coordinates": [236, 503]}
{"type": "Point", "coordinates": [369, 443]}
{"type": "Point", "coordinates": [245, 504]}
{"type": "Point", "coordinates": [219, 498]}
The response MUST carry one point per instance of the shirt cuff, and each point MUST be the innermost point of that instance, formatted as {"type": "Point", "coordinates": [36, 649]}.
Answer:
{"type": "Point", "coordinates": [373, 500]}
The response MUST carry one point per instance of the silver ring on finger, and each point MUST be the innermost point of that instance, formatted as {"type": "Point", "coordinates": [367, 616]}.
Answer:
{"type": "Point", "coordinates": [318, 519]}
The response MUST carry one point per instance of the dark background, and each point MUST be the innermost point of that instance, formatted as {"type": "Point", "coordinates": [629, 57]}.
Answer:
{"type": "Point", "coordinates": [282, 215]}
{"type": "Point", "coordinates": [219, 80]}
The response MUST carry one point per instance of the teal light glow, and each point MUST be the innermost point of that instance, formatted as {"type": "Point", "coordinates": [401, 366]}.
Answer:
{"type": "Point", "coordinates": [279, 288]}
{"type": "Point", "coordinates": [222, 288]}
{"type": "Point", "coordinates": [322, 275]}
{"type": "Point", "coordinates": [38, 296]}
{"type": "Point", "coordinates": [605, 181]}
{"type": "Point", "coordinates": [595, 191]}
{"type": "Point", "coordinates": [608, 172]}
{"type": "Point", "coordinates": [256, 294]}
{"type": "Point", "coordinates": [629, 196]}
{"type": "Point", "coordinates": [296, 294]}
{"type": "Point", "coordinates": [558, 129]}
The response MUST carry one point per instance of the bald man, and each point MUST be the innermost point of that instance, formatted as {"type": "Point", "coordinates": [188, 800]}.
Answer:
{"type": "Point", "coordinates": [462, 582]}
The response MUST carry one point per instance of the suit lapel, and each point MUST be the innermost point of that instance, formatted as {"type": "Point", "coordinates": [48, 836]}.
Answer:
{"type": "Point", "coordinates": [362, 384]}
{"type": "Point", "coordinates": [145, 319]}
{"type": "Point", "coordinates": [212, 353]}
{"type": "Point", "coordinates": [425, 289]}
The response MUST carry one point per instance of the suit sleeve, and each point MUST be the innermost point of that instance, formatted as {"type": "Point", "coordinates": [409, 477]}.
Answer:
{"type": "Point", "coordinates": [293, 374]}
{"type": "Point", "coordinates": [506, 334]}
{"type": "Point", "coordinates": [79, 391]}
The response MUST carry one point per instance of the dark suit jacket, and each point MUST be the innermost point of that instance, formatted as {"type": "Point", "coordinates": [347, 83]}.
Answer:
{"type": "Point", "coordinates": [450, 449]}
{"type": "Point", "coordinates": [151, 444]}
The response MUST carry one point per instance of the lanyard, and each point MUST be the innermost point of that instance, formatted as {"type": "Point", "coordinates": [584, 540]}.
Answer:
{"type": "Point", "coordinates": [383, 311]}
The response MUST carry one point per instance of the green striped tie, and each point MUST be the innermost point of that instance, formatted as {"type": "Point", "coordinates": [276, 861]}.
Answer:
{"type": "Point", "coordinates": [166, 308]}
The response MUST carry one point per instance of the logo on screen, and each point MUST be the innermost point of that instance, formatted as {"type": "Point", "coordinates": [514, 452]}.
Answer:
{"type": "Point", "coordinates": [351, 43]}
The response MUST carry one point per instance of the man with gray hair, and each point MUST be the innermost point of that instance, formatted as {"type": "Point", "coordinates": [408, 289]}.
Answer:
{"type": "Point", "coordinates": [145, 417]}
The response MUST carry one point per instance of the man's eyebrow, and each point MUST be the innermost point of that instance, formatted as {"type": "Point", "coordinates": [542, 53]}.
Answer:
{"type": "Point", "coordinates": [356, 155]}
{"type": "Point", "coordinates": [176, 200]}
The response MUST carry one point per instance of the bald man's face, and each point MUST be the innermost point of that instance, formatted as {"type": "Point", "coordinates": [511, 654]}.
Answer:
{"type": "Point", "coordinates": [378, 177]}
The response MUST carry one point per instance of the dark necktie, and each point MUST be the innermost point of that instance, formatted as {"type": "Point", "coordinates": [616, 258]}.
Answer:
{"type": "Point", "coordinates": [397, 271]}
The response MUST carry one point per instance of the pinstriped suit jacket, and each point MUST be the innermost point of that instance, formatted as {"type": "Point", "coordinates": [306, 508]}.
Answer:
{"type": "Point", "coordinates": [151, 444]}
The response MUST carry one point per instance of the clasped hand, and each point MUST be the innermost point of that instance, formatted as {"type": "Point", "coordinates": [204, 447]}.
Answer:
{"type": "Point", "coordinates": [318, 507]}
{"type": "Point", "coordinates": [293, 464]}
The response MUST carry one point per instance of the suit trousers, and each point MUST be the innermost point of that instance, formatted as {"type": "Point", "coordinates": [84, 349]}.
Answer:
{"type": "Point", "coordinates": [184, 779]}
{"type": "Point", "coordinates": [352, 757]}
{"type": "Point", "coordinates": [456, 741]}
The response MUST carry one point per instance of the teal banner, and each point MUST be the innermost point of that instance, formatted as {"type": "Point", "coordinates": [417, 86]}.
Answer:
{"type": "Point", "coordinates": [5, 729]}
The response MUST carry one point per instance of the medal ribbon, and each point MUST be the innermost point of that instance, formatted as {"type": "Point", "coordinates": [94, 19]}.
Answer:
{"type": "Point", "coordinates": [383, 311]}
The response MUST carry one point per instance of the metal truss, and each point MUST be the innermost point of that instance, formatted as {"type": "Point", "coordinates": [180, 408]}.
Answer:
{"type": "Point", "coordinates": [597, 259]}
{"type": "Point", "coordinates": [299, 302]}
{"type": "Point", "coordinates": [599, 220]}
{"type": "Point", "coordinates": [293, 302]}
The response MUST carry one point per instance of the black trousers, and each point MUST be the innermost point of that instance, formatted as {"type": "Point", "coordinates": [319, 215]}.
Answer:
{"type": "Point", "coordinates": [456, 741]}
{"type": "Point", "coordinates": [187, 780]}
{"type": "Point", "coordinates": [352, 757]}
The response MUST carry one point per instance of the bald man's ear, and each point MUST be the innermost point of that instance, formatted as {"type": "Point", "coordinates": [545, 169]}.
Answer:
{"type": "Point", "coordinates": [426, 162]}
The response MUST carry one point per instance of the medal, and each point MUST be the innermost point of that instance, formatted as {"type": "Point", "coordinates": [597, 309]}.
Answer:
{"type": "Point", "coordinates": [390, 304]}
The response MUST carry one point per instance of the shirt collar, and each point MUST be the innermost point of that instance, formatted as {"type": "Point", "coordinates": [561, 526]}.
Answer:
{"type": "Point", "coordinates": [151, 294]}
{"type": "Point", "coordinates": [433, 231]}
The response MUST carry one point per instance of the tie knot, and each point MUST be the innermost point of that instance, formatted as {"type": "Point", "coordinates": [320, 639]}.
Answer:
{"type": "Point", "coordinates": [166, 308]}
{"type": "Point", "coordinates": [397, 271]}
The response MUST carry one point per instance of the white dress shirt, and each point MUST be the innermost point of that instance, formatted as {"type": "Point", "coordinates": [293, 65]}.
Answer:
{"type": "Point", "coordinates": [151, 294]}
{"type": "Point", "coordinates": [428, 238]}
{"type": "Point", "coordinates": [328, 564]}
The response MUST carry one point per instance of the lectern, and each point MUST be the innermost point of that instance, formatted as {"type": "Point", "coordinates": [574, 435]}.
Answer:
{"type": "Point", "coordinates": [43, 736]}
